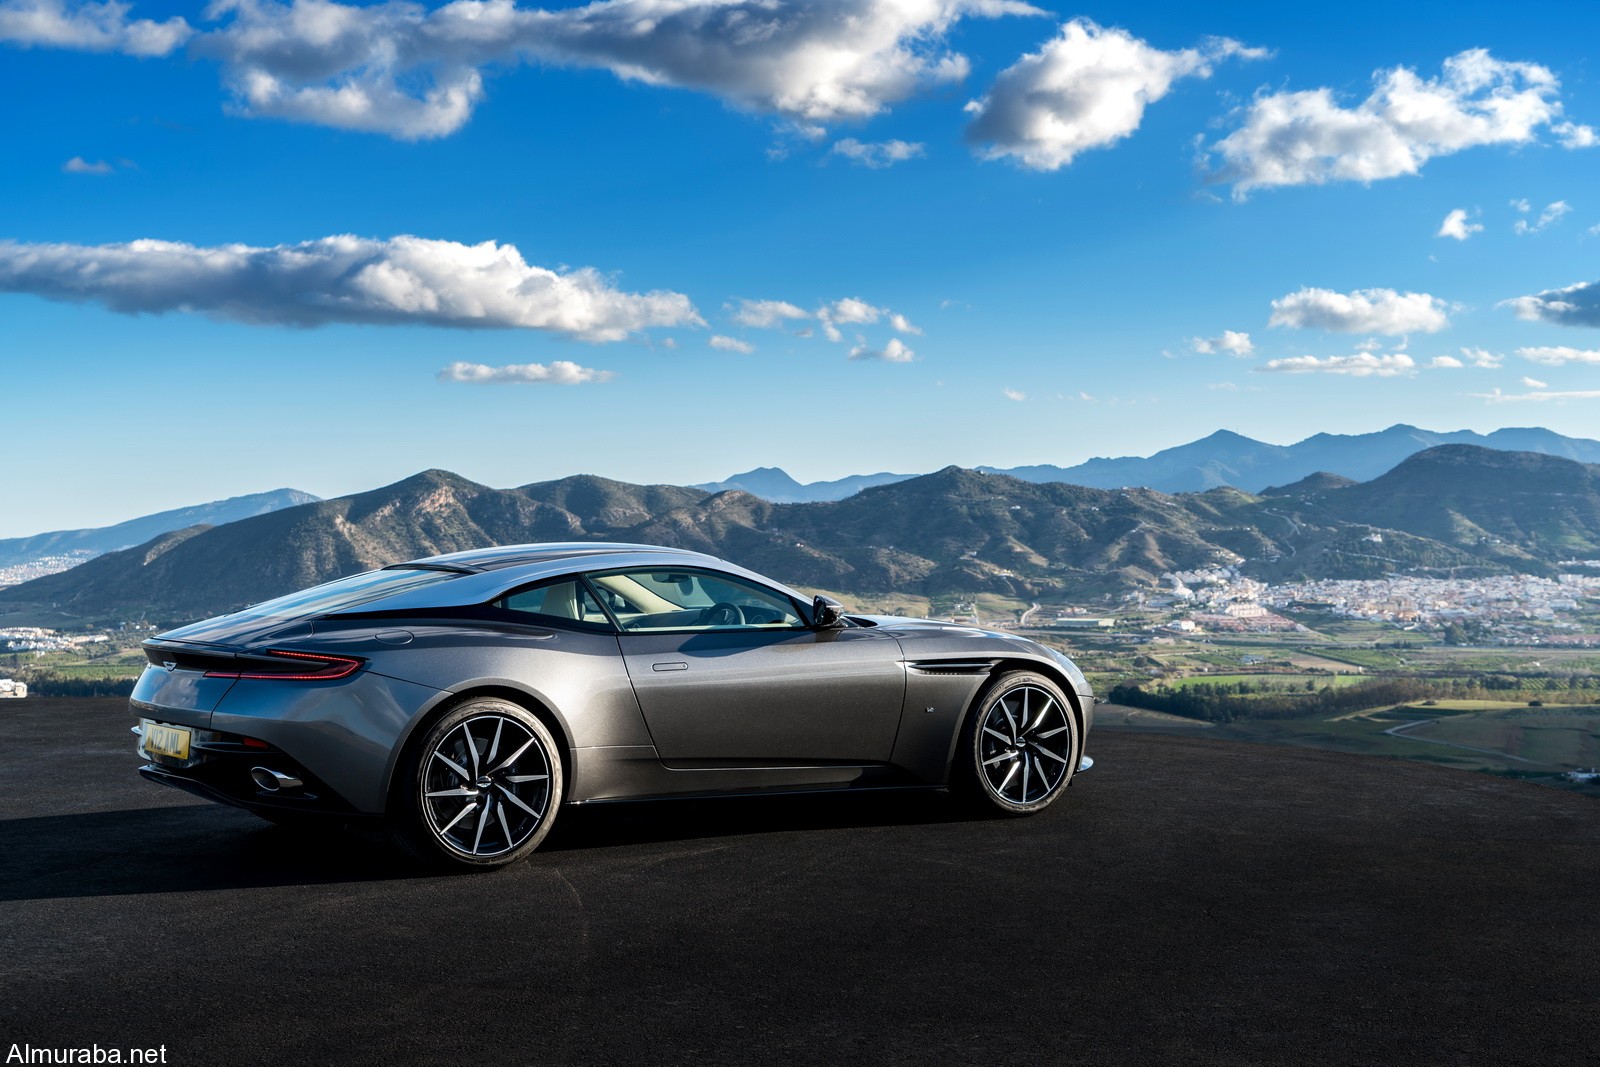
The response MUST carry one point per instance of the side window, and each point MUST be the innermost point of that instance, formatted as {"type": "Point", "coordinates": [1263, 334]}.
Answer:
{"type": "Point", "coordinates": [648, 600]}
{"type": "Point", "coordinates": [566, 603]}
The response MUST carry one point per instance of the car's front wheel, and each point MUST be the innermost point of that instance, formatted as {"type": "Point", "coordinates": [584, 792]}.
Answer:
{"type": "Point", "coordinates": [1017, 748]}
{"type": "Point", "coordinates": [481, 789]}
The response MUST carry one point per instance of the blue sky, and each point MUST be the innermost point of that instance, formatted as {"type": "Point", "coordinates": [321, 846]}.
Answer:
{"type": "Point", "coordinates": [202, 292]}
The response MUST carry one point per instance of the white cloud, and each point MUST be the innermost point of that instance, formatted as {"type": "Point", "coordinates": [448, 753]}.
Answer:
{"type": "Point", "coordinates": [88, 26]}
{"type": "Point", "coordinates": [1521, 204]}
{"type": "Point", "coordinates": [732, 344]}
{"type": "Point", "coordinates": [1551, 214]}
{"type": "Point", "coordinates": [341, 279]}
{"type": "Point", "coordinates": [1538, 396]}
{"type": "Point", "coordinates": [1014, 394]}
{"type": "Point", "coordinates": [1445, 363]}
{"type": "Point", "coordinates": [1087, 87]}
{"type": "Point", "coordinates": [879, 154]}
{"type": "Point", "coordinates": [1560, 356]}
{"type": "Point", "coordinates": [413, 72]}
{"type": "Point", "coordinates": [1308, 138]}
{"type": "Point", "coordinates": [893, 352]}
{"type": "Point", "coordinates": [902, 324]}
{"type": "Point", "coordinates": [855, 311]}
{"type": "Point", "coordinates": [1482, 357]}
{"type": "Point", "coordinates": [669, 342]}
{"type": "Point", "coordinates": [848, 311]}
{"type": "Point", "coordinates": [1534, 383]}
{"type": "Point", "coordinates": [1572, 135]}
{"type": "Point", "coordinates": [1575, 305]}
{"type": "Point", "coordinates": [766, 314]}
{"type": "Point", "coordinates": [1456, 225]}
{"type": "Point", "coordinates": [1360, 365]}
{"type": "Point", "coordinates": [1233, 342]}
{"type": "Point", "coordinates": [851, 310]}
{"type": "Point", "coordinates": [560, 372]}
{"type": "Point", "coordinates": [1381, 311]}
{"type": "Point", "coordinates": [79, 165]}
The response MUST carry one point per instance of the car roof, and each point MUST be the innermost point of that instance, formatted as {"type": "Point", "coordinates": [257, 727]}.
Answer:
{"type": "Point", "coordinates": [502, 556]}
{"type": "Point", "coordinates": [491, 572]}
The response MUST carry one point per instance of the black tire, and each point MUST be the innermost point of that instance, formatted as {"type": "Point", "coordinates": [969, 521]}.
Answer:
{"type": "Point", "coordinates": [469, 829]}
{"type": "Point", "coordinates": [987, 765]}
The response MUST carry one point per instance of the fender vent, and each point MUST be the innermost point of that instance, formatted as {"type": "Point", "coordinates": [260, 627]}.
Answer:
{"type": "Point", "coordinates": [952, 666]}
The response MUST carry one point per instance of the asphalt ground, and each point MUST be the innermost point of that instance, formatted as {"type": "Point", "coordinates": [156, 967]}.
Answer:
{"type": "Point", "coordinates": [1187, 901]}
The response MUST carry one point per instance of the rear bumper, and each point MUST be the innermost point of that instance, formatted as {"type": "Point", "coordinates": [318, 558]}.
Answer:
{"type": "Point", "coordinates": [310, 804]}
{"type": "Point", "coordinates": [339, 737]}
{"type": "Point", "coordinates": [220, 768]}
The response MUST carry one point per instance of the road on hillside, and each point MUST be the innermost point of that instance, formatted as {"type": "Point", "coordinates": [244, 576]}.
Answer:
{"type": "Point", "coordinates": [1188, 901]}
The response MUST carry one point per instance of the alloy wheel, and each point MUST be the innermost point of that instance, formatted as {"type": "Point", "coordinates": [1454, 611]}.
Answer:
{"type": "Point", "coordinates": [486, 786]}
{"type": "Point", "coordinates": [1025, 743]}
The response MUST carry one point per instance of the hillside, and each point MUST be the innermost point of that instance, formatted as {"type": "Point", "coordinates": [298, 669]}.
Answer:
{"type": "Point", "coordinates": [1455, 510]}
{"type": "Point", "coordinates": [1226, 458]}
{"type": "Point", "coordinates": [16, 551]}
{"type": "Point", "coordinates": [776, 485]}
{"type": "Point", "coordinates": [1516, 506]}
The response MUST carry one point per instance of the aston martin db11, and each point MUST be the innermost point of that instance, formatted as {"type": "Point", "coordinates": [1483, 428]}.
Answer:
{"type": "Point", "coordinates": [465, 699]}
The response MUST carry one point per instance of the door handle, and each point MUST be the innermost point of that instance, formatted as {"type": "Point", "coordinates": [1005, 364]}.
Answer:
{"type": "Point", "coordinates": [674, 665]}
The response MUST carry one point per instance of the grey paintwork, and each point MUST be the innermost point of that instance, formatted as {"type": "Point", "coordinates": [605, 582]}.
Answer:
{"type": "Point", "coordinates": [877, 703]}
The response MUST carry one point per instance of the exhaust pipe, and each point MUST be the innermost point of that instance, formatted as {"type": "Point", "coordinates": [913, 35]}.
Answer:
{"type": "Point", "coordinates": [271, 781]}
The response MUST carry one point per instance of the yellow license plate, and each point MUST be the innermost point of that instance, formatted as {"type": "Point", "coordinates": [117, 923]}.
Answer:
{"type": "Point", "coordinates": [161, 740]}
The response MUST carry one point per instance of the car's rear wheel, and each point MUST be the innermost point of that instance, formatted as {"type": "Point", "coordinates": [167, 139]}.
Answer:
{"type": "Point", "coordinates": [1018, 745]}
{"type": "Point", "coordinates": [481, 789]}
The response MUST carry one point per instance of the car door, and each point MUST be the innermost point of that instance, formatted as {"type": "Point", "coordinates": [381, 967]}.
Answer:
{"type": "Point", "coordinates": [728, 673]}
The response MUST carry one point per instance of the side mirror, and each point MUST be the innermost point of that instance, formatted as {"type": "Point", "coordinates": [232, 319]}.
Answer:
{"type": "Point", "coordinates": [826, 613]}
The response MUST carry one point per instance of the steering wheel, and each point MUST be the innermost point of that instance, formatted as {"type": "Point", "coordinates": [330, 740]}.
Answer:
{"type": "Point", "coordinates": [722, 614]}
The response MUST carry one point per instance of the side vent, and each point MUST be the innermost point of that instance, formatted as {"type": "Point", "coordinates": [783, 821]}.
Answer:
{"type": "Point", "coordinates": [953, 666]}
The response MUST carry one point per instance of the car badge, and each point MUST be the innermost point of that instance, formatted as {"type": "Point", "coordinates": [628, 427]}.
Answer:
{"type": "Point", "coordinates": [170, 664]}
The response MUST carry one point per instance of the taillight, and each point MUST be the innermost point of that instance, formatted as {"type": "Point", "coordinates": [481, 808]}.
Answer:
{"type": "Point", "coordinates": [322, 668]}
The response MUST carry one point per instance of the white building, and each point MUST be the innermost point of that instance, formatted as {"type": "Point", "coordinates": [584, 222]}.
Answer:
{"type": "Point", "coordinates": [12, 690]}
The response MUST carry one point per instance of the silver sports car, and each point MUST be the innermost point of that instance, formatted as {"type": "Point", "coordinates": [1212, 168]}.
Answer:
{"type": "Point", "coordinates": [464, 699]}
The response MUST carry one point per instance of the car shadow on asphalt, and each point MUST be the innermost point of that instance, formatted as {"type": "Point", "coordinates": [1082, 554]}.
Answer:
{"type": "Point", "coordinates": [653, 821]}
{"type": "Point", "coordinates": [201, 847]}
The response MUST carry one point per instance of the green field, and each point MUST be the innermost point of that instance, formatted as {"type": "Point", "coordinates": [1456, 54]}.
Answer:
{"type": "Point", "coordinates": [1296, 682]}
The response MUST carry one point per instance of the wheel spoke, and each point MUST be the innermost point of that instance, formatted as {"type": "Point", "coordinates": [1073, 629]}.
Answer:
{"type": "Point", "coordinates": [1037, 747]}
{"type": "Point", "coordinates": [999, 758]}
{"type": "Point", "coordinates": [462, 814]}
{"type": "Point", "coordinates": [1011, 722]}
{"type": "Point", "coordinates": [1048, 704]}
{"type": "Point", "coordinates": [500, 810]}
{"type": "Point", "coordinates": [518, 779]}
{"type": "Point", "coordinates": [518, 801]}
{"type": "Point", "coordinates": [1001, 788]}
{"type": "Point", "coordinates": [997, 734]}
{"type": "Point", "coordinates": [1027, 765]}
{"type": "Point", "coordinates": [483, 820]}
{"type": "Point", "coordinates": [461, 791]}
{"type": "Point", "coordinates": [1052, 733]}
{"type": "Point", "coordinates": [453, 765]}
{"type": "Point", "coordinates": [511, 759]}
{"type": "Point", "coordinates": [499, 724]}
{"type": "Point", "coordinates": [472, 746]}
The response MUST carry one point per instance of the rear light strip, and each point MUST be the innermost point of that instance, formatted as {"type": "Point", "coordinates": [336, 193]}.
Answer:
{"type": "Point", "coordinates": [332, 667]}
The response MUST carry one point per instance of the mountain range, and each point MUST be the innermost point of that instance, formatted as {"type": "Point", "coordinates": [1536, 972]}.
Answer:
{"type": "Point", "coordinates": [16, 551]}
{"type": "Point", "coordinates": [1453, 510]}
{"type": "Point", "coordinates": [1224, 458]}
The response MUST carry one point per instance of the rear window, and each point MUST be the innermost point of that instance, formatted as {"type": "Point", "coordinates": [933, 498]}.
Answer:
{"type": "Point", "coordinates": [344, 593]}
